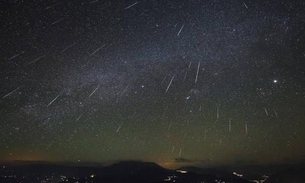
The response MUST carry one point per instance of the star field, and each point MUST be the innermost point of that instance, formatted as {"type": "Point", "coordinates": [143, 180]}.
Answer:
{"type": "Point", "coordinates": [204, 82]}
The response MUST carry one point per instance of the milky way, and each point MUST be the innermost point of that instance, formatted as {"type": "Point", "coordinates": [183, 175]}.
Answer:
{"type": "Point", "coordinates": [194, 81]}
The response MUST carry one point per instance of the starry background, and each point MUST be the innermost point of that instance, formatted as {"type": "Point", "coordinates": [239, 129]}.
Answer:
{"type": "Point", "coordinates": [201, 82]}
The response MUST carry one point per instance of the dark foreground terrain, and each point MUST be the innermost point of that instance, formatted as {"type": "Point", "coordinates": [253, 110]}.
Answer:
{"type": "Point", "coordinates": [141, 172]}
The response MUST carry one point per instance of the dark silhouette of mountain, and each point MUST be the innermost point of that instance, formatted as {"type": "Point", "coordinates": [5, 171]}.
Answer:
{"type": "Point", "coordinates": [126, 172]}
{"type": "Point", "coordinates": [291, 175]}
{"type": "Point", "coordinates": [135, 166]}
{"type": "Point", "coordinates": [141, 172]}
{"type": "Point", "coordinates": [132, 171]}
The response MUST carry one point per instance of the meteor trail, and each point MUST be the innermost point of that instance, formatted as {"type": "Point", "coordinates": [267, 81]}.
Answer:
{"type": "Point", "coordinates": [180, 29]}
{"type": "Point", "coordinates": [170, 83]}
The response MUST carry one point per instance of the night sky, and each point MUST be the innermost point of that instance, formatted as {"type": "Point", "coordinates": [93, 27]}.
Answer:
{"type": "Point", "coordinates": [189, 82]}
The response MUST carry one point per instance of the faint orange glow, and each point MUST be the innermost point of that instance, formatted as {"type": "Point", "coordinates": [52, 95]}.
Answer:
{"type": "Point", "coordinates": [27, 156]}
{"type": "Point", "coordinates": [168, 164]}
